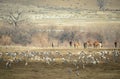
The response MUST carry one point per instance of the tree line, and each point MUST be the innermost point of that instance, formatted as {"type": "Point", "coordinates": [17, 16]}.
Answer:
{"type": "Point", "coordinates": [30, 36]}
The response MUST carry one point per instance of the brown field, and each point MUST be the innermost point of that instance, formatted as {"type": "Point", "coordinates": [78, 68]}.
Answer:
{"type": "Point", "coordinates": [42, 49]}
{"type": "Point", "coordinates": [37, 70]}
{"type": "Point", "coordinates": [40, 70]}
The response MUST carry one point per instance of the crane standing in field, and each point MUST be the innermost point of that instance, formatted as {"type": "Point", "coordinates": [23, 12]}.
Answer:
{"type": "Point", "coordinates": [115, 43]}
{"type": "Point", "coordinates": [97, 44]}
{"type": "Point", "coordinates": [70, 43]}
{"type": "Point", "coordinates": [92, 44]}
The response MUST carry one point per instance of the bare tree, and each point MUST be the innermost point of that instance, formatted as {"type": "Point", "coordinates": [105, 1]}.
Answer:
{"type": "Point", "coordinates": [13, 17]}
{"type": "Point", "coordinates": [19, 35]}
{"type": "Point", "coordinates": [101, 4]}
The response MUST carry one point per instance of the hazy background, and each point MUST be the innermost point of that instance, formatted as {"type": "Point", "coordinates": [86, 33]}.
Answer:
{"type": "Point", "coordinates": [42, 22]}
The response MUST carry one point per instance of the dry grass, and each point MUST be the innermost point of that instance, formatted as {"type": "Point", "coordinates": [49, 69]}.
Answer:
{"type": "Point", "coordinates": [40, 70]}
{"type": "Point", "coordinates": [40, 49]}
{"type": "Point", "coordinates": [37, 70]}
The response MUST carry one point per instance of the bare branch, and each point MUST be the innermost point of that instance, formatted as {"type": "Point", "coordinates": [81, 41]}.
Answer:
{"type": "Point", "coordinates": [101, 4]}
{"type": "Point", "coordinates": [13, 17]}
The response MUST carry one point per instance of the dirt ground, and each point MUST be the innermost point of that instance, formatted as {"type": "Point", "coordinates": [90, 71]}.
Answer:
{"type": "Point", "coordinates": [38, 70]}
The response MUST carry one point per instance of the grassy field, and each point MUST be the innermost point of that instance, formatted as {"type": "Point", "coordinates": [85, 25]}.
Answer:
{"type": "Point", "coordinates": [40, 49]}
{"type": "Point", "coordinates": [41, 70]}
{"type": "Point", "coordinates": [37, 70]}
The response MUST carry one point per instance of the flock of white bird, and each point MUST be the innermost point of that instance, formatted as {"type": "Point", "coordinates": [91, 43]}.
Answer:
{"type": "Point", "coordinates": [77, 59]}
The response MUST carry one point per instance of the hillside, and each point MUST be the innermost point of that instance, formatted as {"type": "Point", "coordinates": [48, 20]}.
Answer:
{"type": "Point", "coordinates": [62, 12]}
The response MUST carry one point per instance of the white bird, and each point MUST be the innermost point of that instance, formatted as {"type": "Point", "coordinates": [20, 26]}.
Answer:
{"type": "Point", "coordinates": [9, 63]}
{"type": "Point", "coordinates": [83, 66]}
{"type": "Point", "coordinates": [26, 63]}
